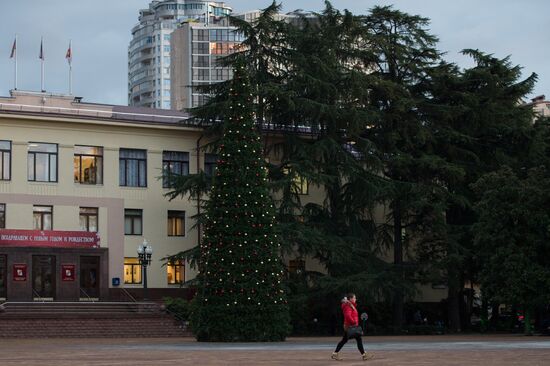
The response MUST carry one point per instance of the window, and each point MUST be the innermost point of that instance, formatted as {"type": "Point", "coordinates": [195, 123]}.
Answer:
{"type": "Point", "coordinates": [88, 165]}
{"type": "Point", "coordinates": [300, 185]}
{"type": "Point", "coordinates": [88, 219]}
{"type": "Point", "coordinates": [42, 162]}
{"type": "Point", "coordinates": [133, 168]}
{"type": "Point", "coordinates": [296, 266]}
{"type": "Point", "coordinates": [166, 48]}
{"type": "Point", "coordinates": [5, 160]}
{"type": "Point", "coordinates": [210, 161]}
{"type": "Point", "coordinates": [133, 222]}
{"type": "Point", "coordinates": [174, 163]}
{"type": "Point", "coordinates": [176, 223]}
{"type": "Point", "coordinates": [201, 61]}
{"type": "Point", "coordinates": [132, 271]}
{"type": "Point", "coordinates": [42, 217]}
{"type": "Point", "coordinates": [2, 215]}
{"type": "Point", "coordinates": [175, 273]}
{"type": "Point", "coordinates": [201, 48]}
{"type": "Point", "coordinates": [201, 74]}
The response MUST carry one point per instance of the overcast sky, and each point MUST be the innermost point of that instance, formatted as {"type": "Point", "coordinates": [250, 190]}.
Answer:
{"type": "Point", "coordinates": [100, 32]}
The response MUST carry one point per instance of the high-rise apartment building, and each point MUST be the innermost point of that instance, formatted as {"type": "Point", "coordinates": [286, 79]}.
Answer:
{"type": "Point", "coordinates": [149, 50]}
{"type": "Point", "coordinates": [196, 49]}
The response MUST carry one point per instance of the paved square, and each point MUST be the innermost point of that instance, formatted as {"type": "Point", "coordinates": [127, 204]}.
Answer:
{"type": "Point", "coordinates": [412, 351]}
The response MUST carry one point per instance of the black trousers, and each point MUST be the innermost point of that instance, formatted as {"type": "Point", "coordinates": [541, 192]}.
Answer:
{"type": "Point", "coordinates": [345, 340]}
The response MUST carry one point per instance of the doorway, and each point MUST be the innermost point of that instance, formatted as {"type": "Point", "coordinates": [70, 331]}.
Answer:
{"type": "Point", "coordinates": [89, 277]}
{"type": "Point", "coordinates": [3, 277]}
{"type": "Point", "coordinates": [43, 277]}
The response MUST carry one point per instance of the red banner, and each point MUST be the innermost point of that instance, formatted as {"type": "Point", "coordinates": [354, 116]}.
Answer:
{"type": "Point", "coordinates": [20, 272]}
{"type": "Point", "coordinates": [48, 238]}
{"type": "Point", "coordinates": [67, 272]}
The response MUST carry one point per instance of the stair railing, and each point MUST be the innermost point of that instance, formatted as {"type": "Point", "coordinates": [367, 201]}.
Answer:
{"type": "Point", "coordinates": [86, 294]}
{"type": "Point", "coordinates": [129, 295]}
{"type": "Point", "coordinates": [37, 295]}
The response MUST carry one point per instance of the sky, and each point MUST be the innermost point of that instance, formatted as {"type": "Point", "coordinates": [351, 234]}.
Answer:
{"type": "Point", "coordinates": [100, 34]}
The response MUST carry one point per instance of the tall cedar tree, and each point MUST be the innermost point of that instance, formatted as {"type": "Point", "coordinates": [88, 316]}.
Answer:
{"type": "Point", "coordinates": [480, 127]}
{"type": "Point", "coordinates": [402, 55]}
{"type": "Point", "coordinates": [240, 292]}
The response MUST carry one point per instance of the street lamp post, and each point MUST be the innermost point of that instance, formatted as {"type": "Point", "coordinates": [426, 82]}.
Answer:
{"type": "Point", "coordinates": [145, 251]}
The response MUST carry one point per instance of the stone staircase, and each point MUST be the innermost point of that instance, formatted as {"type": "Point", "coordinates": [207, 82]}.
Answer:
{"type": "Point", "coordinates": [88, 320]}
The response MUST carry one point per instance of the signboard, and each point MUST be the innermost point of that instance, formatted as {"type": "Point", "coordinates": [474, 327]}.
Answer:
{"type": "Point", "coordinates": [20, 272]}
{"type": "Point", "coordinates": [48, 238]}
{"type": "Point", "coordinates": [67, 272]}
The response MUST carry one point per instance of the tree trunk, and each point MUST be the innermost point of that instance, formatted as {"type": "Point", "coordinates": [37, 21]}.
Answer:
{"type": "Point", "coordinates": [453, 297]}
{"type": "Point", "coordinates": [528, 312]}
{"type": "Point", "coordinates": [398, 301]}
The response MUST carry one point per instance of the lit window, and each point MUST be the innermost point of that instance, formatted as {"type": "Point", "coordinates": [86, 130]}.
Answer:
{"type": "Point", "coordinates": [42, 162]}
{"type": "Point", "coordinates": [133, 222]}
{"type": "Point", "coordinates": [88, 165]}
{"type": "Point", "coordinates": [296, 266]}
{"type": "Point", "coordinates": [299, 184]}
{"type": "Point", "coordinates": [42, 217]}
{"type": "Point", "coordinates": [176, 223]}
{"type": "Point", "coordinates": [5, 160]}
{"type": "Point", "coordinates": [175, 273]}
{"type": "Point", "coordinates": [88, 219]}
{"type": "Point", "coordinates": [132, 271]}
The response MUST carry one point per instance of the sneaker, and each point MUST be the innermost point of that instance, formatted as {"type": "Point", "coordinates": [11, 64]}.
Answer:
{"type": "Point", "coordinates": [335, 356]}
{"type": "Point", "coordinates": [367, 356]}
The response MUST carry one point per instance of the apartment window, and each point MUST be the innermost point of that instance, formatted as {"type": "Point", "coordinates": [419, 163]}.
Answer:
{"type": "Point", "coordinates": [201, 74]}
{"type": "Point", "coordinates": [5, 160]}
{"type": "Point", "coordinates": [201, 61]}
{"type": "Point", "coordinates": [42, 217]}
{"type": "Point", "coordinates": [174, 163]}
{"type": "Point", "coordinates": [175, 273]}
{"type": "Point", "coordinates": [201, 48]}
{"type": "Point", "coordinates": [88, 165]}
{"type": "Point", "coordinates": [132, 271]}
{"type": "Point", "coordinates": [133, 222]}
{"type": "Point", "coordinates": [88, 219]}
{"type": "Point", "coordinates": [300, 185]}
{"type": "Point", "coordinates": [176, 223]}
{"type": "Point", "coordinates": [296, 266]}
{"type": "Point", "coordinates": [2, 215]}
{"type": "Point", "coordinates": [166, 48]}
{"type": "Point", "coordinates": [200, 35]}
{"type": "Point", "coordinates": [210, 161]}
{"type": "Point", "coordinates": [133, 168]}
{"type": "Point", "coordinates": [42, 162]}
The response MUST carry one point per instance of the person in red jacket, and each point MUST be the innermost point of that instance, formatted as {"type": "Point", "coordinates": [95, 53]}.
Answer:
{"type": "Point", "coordinates": [351, 318]}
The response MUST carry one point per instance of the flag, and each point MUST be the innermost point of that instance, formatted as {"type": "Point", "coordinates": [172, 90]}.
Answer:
{"type": "Point", "coordinates": [41, 55]}
{"type": "Point", "coordinates": [69, 54]}
{"type": "Point", "coordinates": [13, 48]}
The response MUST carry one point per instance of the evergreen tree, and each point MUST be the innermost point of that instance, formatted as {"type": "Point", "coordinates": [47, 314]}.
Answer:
{"type": "Point", "coordinates": [512, 238]}
{"type": "Point", "coordinates": [240, 291]}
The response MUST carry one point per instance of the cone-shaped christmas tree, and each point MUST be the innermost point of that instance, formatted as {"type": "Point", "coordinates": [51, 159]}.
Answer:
{"type": "Point", "coordinates": [240, 291]}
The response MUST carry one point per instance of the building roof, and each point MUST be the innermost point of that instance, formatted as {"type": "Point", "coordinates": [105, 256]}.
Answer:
{"type": "Point", "coordinates": [69, 106]}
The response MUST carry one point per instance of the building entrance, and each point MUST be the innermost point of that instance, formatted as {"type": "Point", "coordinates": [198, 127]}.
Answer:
{"type": "Point", "coordinates": [89, 276]}
{"type": "Point", "coordinates": [3, 277]}
{"type": "Point", "coordinates": [43, 277]}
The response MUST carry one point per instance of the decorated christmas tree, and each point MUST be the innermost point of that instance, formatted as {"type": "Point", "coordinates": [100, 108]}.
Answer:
{"type": "Point", "coordinates": [240, 285]}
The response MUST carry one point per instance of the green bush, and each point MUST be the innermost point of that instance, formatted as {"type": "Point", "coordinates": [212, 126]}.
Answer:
{"type": "Point", "coordinates": [178, 306]}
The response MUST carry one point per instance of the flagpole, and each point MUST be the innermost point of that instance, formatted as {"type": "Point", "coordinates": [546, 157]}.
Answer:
{"type": "Point", "coordinates": [42, 64]}
{"type": "Point", "coordinates": [70, 69]}
{"type": "Point", "coordinates": [15, 60]}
